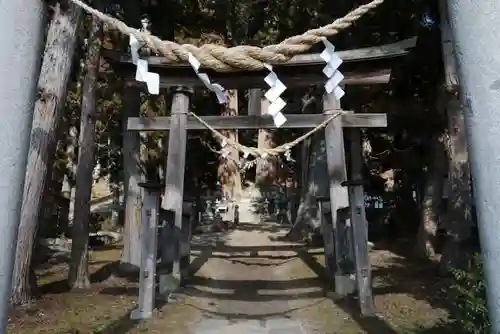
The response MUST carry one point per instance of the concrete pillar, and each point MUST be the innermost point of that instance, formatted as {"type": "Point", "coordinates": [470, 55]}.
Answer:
{"type": "Point", "coordinates": [476, 28]}
{"type": "Point", "coordinates": [21, 37]}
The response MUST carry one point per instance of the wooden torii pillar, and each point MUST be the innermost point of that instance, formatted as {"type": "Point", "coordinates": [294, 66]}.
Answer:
{"type": "Point", "coordinates": [181, 78]}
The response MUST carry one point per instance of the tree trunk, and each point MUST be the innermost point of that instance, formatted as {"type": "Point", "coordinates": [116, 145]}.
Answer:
{"type": "Point", "coordinates": [116, 213]}
{"type": "Point", "coordinates": [78, 270]}
{"type": "Point", "coordinates": [64, 210]}
{"type": "Point", "coordinates": [52, 87]}
{"type": "Point", "coordinates": [424, 246]}
{"type": "Point", "coordinates": [459, 221]}
{"type": "Point", "coordinates": [228, 170]}
{"type": "Point", "coordinates": [64, 213]}
{"type": "Point", "coordinates": [69, 187]}
{"type": "Point", "coordinates": [312, 177]}
{"type": "Point", "coordinates": [48, 205]}
{"type": "Point", "coordinates": [315, 185]}
{"type": "Point", "coordinates": [53, 202]}
{"type": "Point", "coordinates": [58, 175]}
{"type": "Point", "coordinates": [131, 256]}
{"type": "Point", "coordinates": [266, 169]}
{"type": "Point", "coordinates": [458, 224]}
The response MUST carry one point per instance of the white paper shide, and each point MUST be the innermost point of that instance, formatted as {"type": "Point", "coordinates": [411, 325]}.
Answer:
{"type": "Point", "coordinates": [142, 73]}
{"type": "Point", "coordinates": [331, 71]}
{"type": "Point", "coordinates": [213, 87]}
{"type": "Point", "coordinates": [273, 95]}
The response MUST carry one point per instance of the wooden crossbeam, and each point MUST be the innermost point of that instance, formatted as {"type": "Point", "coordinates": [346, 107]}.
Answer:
{"type": "Point", "coordinates": [366, 66]}
{"type": "Point", "coordinates": [392, 50]}
{"type": "Point", "coordinates": [291, 77]}
{"type": "Point", "coordinates": [294, 121]}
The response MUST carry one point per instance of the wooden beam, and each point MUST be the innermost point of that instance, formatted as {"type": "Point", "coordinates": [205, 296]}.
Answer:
{"type": "Point", "coordinates": [291, 77]}
{"type": "Point", "coordinates": [294, 121]}
{"type": "Point", "coordinates": [363, 54]}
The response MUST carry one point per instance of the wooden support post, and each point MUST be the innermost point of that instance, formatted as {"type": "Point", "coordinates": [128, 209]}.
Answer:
{"type": "Point", "coordinates": [174, 189]}
{"type": "Point", "coordinates": [360, 227]}
{"type": "Point", "coordinates": [336, 247]}
{"type": "Point", "coordinates": [147, 281]}
{"type": "Point", "coordinates": [169, 237]}
{"type": "Point", "coordinates": [131, 257]}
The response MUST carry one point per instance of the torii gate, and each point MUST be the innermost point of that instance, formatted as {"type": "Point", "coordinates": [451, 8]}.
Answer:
{"type": "Point", "coordinates": [477, 50]}
{"type": "Point", "coordinates": [344, 193]}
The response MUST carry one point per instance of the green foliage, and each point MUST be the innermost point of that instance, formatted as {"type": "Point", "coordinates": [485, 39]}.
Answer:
{"type": "Point", "coordinates": [470, 314]}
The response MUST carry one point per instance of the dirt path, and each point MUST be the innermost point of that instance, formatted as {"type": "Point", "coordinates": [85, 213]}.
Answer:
{"type": "Point", "coordinates": [243, 282]}
{"type": "Point", "coordinates": [250, 284]}
{"type": "Point", "coordinates": [244, 285]}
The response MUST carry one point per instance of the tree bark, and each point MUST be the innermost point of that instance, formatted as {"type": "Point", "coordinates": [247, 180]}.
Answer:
{"type": "Point", "coordinates": [228, 170]}
{"type": "Point", "coordinates": [64, 213]}
{"type": "Point", "coordinates": [78, 270]}
{"type": "Point", "coordinates": [266, 169]}
{"type": "Point", "coordinates": [313, 169]}
{"type": "Point", "coordinates": [116, 213]}
{"type": "Point", "coordinates": [58, 178]}
{"type": "Point", "coordinates": [424, 246]}
{"type": "Point", "coordinates": [69, 187]}
{"type": "Point", "coordinates": [49, 222]}
{"type": "Point", "coordinates": [459, 220]}
{"type": "Point", "coordinates": [52, 88]}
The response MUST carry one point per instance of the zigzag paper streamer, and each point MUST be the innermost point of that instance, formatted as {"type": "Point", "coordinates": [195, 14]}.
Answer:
{"type": "Point", "coordinates": [331, 71]}
{"type": "Point", "coordinates": [142, 73]}
{"type": "Point", "coordinates": [216, 88]}
{"type": "Point", "coordinates": [273, 95]}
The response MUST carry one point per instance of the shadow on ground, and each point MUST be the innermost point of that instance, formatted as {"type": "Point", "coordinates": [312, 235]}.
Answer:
{"type": "Point", "coordinates": [404, 273]}
{"type": "Point", "coordinates": [396, 276]}
{"type": "Point", "coordinates": [348, 305]}
{"type": "Point", "coordinates": [100, 275]}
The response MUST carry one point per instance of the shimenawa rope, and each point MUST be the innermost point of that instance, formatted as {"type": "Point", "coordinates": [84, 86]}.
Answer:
{"type": "Point", "coordinates": [260, 153]}
{"type": "Point", "coordinates": [223, 59]}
